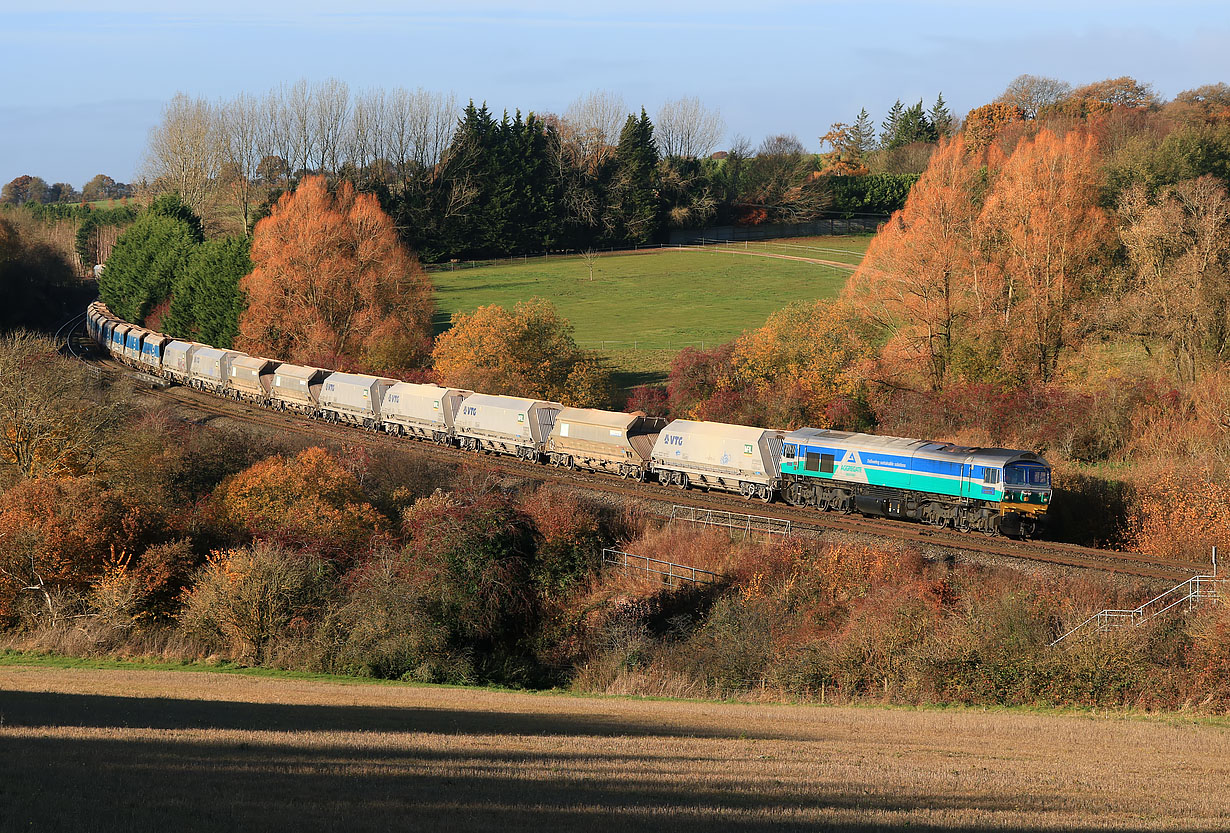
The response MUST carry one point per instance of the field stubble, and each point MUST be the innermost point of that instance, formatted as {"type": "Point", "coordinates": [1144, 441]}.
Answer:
{"type": "Point", "coordinates": [153, 750]}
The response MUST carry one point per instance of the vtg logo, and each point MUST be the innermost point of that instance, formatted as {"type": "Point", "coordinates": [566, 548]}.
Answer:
{"type": "Point", "coordinates": [671, 439]}
{"type": "Point", "coordinates": [470, 410]}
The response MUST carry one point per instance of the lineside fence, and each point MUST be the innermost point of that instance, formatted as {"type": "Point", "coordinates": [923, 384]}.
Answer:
{"type": "Point", "coordinates": [667, 572]}
{"type": "Point", "coordinates": [736, 523]}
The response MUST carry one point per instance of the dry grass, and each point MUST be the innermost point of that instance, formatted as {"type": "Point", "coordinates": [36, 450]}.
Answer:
{"type": "Point", "coordinates": [148, 750]}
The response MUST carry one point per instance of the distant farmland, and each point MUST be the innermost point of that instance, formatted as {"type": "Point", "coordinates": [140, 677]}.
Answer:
{"type": "Point", "coordinates": [642, 308]}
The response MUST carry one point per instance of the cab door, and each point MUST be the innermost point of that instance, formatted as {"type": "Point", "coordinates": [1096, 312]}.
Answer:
{"type": "Point", "coordinates": [967, 476]}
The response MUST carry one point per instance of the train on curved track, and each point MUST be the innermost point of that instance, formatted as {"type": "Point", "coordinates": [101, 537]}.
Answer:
{"type": "Point", "coordinates": [996, 491]}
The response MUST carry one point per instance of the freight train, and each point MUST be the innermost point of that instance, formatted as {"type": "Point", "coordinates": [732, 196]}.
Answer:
{"type": "Point", "coordinates": [996, 491]}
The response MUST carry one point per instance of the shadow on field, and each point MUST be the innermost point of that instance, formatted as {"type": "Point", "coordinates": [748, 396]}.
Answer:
{"type": "Point", "coordinates": [32, 708]}
{"type": "Point", "coordinates": [97, 775]}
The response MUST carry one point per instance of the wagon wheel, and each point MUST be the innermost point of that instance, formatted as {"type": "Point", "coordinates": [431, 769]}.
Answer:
{"type": "Point", "coordinates": [682, 482]}
{"type": "Point", "coordinates": [765, 494]}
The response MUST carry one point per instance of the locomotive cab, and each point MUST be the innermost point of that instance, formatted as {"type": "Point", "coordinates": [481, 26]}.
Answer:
{"type": "Point", "coordinates": [1027, 494]}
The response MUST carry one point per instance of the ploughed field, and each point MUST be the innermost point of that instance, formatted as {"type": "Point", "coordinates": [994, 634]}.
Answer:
{"type": "Point", "coordinates": [163, 750]}
{"type": "Point", "coordinates": [640, 309]}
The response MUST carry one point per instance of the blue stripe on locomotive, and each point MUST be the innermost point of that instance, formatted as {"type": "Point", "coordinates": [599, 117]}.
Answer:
{"type": "Point", "coordinates": [902, 472]}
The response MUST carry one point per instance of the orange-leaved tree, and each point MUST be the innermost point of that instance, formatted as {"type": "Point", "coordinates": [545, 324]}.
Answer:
{"type": "Point", "coordinates": [310, 501]}
{"type": "Point", "coordinates": [526, 351]}
{"type": "Point", "coordinates": [333, 285]}
{"type": "Point", "coordinates": [924, 285]}
{"type": "Point", "coordinates": [983, 124]}
{"type": "Point", "coordinates": [1045, 234]}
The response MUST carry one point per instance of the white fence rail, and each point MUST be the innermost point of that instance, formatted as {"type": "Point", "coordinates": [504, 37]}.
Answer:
{"type": "Point", "coordinates": [667, 572]}
{"type": "Point", "coordinates": [749, 526]}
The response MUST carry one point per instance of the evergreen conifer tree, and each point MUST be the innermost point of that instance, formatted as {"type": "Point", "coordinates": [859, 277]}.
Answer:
{"type": "Point", "coordinates": [941, 117]}
{"type": "Point", "coordinates": [633, 213]}
{"type": "Point", "coordinates": [891, 124]}
{"type": "Point", "coordinates": [862, 135]}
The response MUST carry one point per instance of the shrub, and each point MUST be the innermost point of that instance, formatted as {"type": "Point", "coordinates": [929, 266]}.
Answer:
{"type": "Point", "coordinates": [245, 600]}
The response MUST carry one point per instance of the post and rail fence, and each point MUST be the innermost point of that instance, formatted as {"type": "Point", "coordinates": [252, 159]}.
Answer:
{"type": "Point", "coordinates": [668, 572]}
{"type": "Point", "coordinates": [749, 526]}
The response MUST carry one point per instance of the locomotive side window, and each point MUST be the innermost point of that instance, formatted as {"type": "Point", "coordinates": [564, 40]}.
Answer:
{"type": "Point", "coordinates": [813, 461]}
{"type": "Point", "coordinates": [827, 462]}
{"type": "Point", "coordinates": [990, 476]}
{"type": "Point", "coordinates": [788, 452]}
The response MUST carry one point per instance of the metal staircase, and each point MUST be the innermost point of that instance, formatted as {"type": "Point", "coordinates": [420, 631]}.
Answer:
{"type": "Point", "coordinates": [1197, 589]}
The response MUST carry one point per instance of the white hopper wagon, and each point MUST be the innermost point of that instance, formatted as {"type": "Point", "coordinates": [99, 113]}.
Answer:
{"type": "Point", "coordinates": [210, 368]}
{"type": "Point", "coordinates": [426, 411]}
{"type": "Point", "coordinates": [734, 458]}
{"type": "Point", "coordinates": [177, 360]}
{"type": "Point", "coordinates": [506, 424]}
{"type": "Point", "coordinates": [297, 388]}
{"type": "Point", "coordinates": [251, 378]}
{"type": "Point", "coordinates": [354, 398]}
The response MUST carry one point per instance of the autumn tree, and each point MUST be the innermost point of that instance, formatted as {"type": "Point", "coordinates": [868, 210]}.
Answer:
{"type": "Point", "coordinates": [246, 598]}
{"type": "Point", "coordinates": [800, 364]}
{"type": "Point", "coordinates": [983, 124]}
{"type": "Point", "coordinates": [333, 285]}
{"type": "Point", "coordinates": [54, 416]}
{"type": "Point", "coordinates": [311, 501]}
{"type": "Point", "coordinates": [526, 351]}
{"type": "Point", "coordinates": [24, 188]}
{"type": "Point", "coordinates": [58, 533]}
{"type": "Point", "coordinates": [1179, 246]}
{"type": "Point", "coordinates": [921, 284]}
{"type": "Point", "coordinates": [1046, 233]}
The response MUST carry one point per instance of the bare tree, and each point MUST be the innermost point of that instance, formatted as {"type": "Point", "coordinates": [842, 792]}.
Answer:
{"type": "Point", "coordinates": [299, 113]}
{"type": "Point", "coordinates": [331, 109]}
{"type": "Point", "coordinates": [1033, 92]}
{"type": "Point", "coordinates": [50, 422]}
{"type": "Point", "coordinates": [590, 256]}
{"type": "Point", "coordinates": [591, 127]}
{"type": "Point", "coordinates": [685, 127]}
{"type": "Point", "coordinates": [240, 125]}
{"type": "Point", "coordinates": [185, 150]}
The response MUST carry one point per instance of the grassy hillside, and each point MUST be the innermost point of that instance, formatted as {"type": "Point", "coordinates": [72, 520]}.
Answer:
{"type": "Point", "coordinates": [641, 308]}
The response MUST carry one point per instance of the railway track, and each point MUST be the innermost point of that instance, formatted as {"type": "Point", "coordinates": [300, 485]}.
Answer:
{"type": "Point", "coordinates": [1053, 553]}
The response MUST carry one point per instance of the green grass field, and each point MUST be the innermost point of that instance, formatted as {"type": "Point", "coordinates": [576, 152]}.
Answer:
{"type": "Point", "coordinates": [640, 309]}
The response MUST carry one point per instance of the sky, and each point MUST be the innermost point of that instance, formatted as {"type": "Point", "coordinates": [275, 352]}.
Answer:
{"type": "Point", "coordinates": [87, 79]}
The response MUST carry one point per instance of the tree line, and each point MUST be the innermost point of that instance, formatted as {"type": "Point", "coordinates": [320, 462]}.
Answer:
{"type": "Point", "coordinates": [455, 177]}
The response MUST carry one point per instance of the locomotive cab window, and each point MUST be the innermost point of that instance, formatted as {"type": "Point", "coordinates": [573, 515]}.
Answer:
{"type": "Point", "coordinates": [788, 452]}
{"type": "Point", "coordinates": [1034, 476]}
{"type": "Point", "coordinates": [990, 476]}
